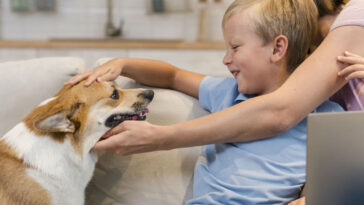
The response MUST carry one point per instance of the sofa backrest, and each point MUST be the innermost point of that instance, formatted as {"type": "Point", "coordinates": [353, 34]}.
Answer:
{"type": "Point", "coordinates": [25, 84]}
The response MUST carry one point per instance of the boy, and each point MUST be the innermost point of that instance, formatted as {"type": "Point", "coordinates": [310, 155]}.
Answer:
{"type": "Point", "coordinates": [265, 40]}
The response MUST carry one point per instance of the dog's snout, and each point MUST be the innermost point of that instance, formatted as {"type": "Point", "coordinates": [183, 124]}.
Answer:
{"type": "Point", "coordinates": [148, 94]}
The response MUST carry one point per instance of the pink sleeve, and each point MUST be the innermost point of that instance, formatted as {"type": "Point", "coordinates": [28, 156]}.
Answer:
{"type": "Point", "coordinates": [352, 94]}
{"type": "Point", "coordinates": [352, 14]}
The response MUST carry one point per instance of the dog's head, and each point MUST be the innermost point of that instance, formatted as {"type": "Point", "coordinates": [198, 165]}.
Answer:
{"type": "Point", "coordinates": [83, 114]}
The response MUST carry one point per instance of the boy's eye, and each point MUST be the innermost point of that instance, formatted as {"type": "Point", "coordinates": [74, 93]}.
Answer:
{"type": "Point", "coordinates": [115, 95]}
{"type": "Point", "coordinates": [234, 47]}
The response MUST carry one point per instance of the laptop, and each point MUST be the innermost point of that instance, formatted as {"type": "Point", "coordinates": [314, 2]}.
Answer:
{"type": "Point", "coordinates": [335, 158]}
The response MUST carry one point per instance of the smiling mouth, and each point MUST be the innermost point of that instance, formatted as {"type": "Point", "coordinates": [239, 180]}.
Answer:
{"type": "Point", "coordinates": [235, 73]}
{"type": "Point", "coordinates": [118, 118]}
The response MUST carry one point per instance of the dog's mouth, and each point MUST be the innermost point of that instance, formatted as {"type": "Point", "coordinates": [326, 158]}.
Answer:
{"type": "Point", "coordinates": [118, 118]}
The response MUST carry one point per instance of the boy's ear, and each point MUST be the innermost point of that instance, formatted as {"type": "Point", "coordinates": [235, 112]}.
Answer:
{"type": "Point", "coordinates": [280, 45]}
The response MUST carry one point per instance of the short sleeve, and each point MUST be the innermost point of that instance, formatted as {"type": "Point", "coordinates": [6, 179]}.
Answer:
{"type": "Point", "coordinates": [217, 92]}
{"type": "Point", "coordinates": [203, 93]}
{"type": "Point", "coordinates": [351, 15]}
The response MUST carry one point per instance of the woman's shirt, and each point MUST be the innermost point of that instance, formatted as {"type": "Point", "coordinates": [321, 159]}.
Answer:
{"type": "Point", "coordinates": [351, 96]}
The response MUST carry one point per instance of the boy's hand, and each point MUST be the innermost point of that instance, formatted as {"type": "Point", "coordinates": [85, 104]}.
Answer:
{"type": "Point", "coordinates": [131, 137]}
{"type": "Point", "coordinates": [106, 72]}
{"type": "Point", "coordinates": [355, 68]}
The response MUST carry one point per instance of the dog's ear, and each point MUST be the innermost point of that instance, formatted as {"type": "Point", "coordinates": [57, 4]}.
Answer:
{"type": "Point", "coordinates": [58, 122]}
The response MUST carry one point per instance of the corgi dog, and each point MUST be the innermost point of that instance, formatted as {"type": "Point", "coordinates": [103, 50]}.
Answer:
{"type": "Point", "coordinates": [47, 158]}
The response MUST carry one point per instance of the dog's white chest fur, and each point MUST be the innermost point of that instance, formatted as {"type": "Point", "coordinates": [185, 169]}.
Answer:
{"type": "Point", "coordinates": [55, 166]}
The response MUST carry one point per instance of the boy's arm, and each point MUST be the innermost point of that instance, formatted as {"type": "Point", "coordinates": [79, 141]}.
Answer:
{"type": "Point", "coordinates": [160, 74]}
{"type": "Point", "coordinates": [149, 72]}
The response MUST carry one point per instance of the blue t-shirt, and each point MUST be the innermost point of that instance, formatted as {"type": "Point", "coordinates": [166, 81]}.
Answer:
{"type": "Point", "coordinates": [267, 171]}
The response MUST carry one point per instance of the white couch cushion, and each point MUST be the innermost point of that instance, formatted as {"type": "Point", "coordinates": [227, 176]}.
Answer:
{"type": "Point", "coordinates": [24, 84]}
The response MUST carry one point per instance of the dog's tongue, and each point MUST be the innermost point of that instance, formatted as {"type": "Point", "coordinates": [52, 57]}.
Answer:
{"type": "Point", "coordinates": [136, 117]}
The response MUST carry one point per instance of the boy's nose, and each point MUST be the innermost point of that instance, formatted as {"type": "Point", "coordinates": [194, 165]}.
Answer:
{"type": "Point", "coordinates": [227, 59]}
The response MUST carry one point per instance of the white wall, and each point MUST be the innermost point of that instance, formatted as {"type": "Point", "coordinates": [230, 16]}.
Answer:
{"type": "Point", "coordinates": [87, 18]}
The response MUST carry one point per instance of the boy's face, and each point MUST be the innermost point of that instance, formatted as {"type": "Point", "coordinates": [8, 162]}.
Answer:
{"type": "Point", "coordinates": [247, 58]}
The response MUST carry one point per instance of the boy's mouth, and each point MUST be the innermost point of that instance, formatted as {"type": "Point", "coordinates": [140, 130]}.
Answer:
{"type": "Point", "coordinates": [235, 73]}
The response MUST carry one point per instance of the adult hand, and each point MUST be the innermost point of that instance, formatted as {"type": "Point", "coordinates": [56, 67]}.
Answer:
{"type": "Point", "coordinates": [355, 68]}
{"type": "Point", "coordinates": [131, 137]}
{"type": "Point", "coordinates": [106, 72]}
{"type": "Point", "coordinates": [299, 201]}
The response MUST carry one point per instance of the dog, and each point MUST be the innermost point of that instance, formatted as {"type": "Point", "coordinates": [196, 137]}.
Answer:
{"type": "Point", "coordinates": [47, 158]}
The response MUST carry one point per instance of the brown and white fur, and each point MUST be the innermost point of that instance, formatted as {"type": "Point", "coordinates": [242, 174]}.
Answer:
{"type": "Point", "coordinates": [47, 157]}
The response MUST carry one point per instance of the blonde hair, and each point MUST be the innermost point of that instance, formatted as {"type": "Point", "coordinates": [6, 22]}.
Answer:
{"type": "Point", "coordinates": [295, 19]}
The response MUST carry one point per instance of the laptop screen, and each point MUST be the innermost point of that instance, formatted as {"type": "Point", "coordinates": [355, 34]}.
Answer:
{"type": "Point", "coordinates": [335, 158]}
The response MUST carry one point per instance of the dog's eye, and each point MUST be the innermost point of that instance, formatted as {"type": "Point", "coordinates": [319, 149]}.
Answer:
{"type": "Point", "coordinates": [115, 95]}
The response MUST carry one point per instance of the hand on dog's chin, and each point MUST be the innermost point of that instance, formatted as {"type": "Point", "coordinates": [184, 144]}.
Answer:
{"type": "Point", "coordinates": [103, 137]}
{"type": "Point", "coordinates": [107, 134]}
{"type": "Point", "coordinates": [130, 137]}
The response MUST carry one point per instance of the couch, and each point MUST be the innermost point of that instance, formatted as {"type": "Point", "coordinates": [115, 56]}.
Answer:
{"type": "Point", "coordinates": [161, 177]}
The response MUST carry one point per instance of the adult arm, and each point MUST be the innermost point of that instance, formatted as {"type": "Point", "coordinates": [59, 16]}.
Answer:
{"type": "Point", "coordinates": [314, 80]}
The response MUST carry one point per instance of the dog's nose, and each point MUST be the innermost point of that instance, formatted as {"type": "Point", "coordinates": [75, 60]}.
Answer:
{"type": "Point", "coordinates": [148, 94]}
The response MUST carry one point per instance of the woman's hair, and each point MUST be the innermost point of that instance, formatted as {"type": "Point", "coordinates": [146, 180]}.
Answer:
{"type": "Point", "coordinates": [326, 8]}
{"type": "Point", "coordinates": [295, 19]}
{"type": "Point", "coordinates": [329, 7]}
